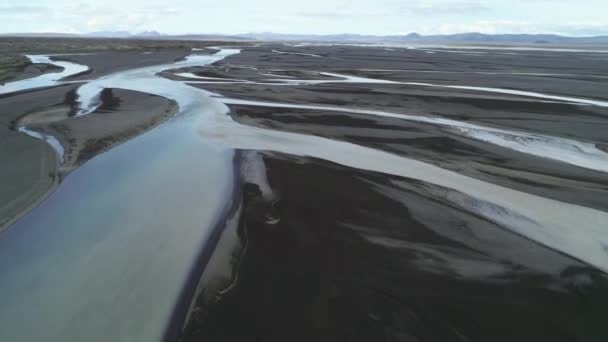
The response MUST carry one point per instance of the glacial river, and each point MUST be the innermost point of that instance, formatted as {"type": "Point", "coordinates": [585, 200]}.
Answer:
{"type": "Point", "coordinates": [106, 256]}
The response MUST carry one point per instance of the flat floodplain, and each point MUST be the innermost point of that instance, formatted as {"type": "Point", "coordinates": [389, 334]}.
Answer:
{"type": "Point", "coordinates": [224, 191]}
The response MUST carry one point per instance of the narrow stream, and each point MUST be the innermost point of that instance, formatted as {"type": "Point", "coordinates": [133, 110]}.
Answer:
{"type": "Point", "coordinates": [44, 80]}
{"type": "Point", "coordinates": [569, 151]}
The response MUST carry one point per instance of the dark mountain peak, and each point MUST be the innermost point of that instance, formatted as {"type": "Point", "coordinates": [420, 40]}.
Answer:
{"type": "Point", "coordinates": [413, 35]}
{"type": "Point", "coordinates": [150, 34]}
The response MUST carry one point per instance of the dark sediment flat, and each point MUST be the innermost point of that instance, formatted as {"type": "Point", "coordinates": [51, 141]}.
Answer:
{"type": "Point", "coordinates": [493, 110]}
{"type": "Point", "coordinates": [438, 146]}
{"type": "Point", "coordinates": [345, 255]}
{"type": "Point", "coordinates": [95, 45]}
{"type": "Point", "coordinates": [123, 115]}
{"type": "Point", "coordinates": [358, 264]}
{"type": "Point", "coordinates": [29, 165]}
{"type": "Point", "coordinates": [113, 61]}
{"type": "Point", "coordinates": [500, 110]}
{"type": "Point", "coordinates": [451, 68]}
{"type": "Point", "coordinates": [432, 143]}
{"type": "Point", "coordinates": [310, 250]}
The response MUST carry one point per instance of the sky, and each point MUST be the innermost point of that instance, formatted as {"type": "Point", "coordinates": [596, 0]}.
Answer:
{"type": "Point", "coordinates": [379, 17]}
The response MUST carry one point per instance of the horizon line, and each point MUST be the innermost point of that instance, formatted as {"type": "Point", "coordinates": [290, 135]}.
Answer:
{"type": "Point", "coordinates": [158, 33]}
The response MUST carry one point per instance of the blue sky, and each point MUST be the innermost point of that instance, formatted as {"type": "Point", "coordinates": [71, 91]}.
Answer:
{"type": "Point", "coordinates": [570, 17]}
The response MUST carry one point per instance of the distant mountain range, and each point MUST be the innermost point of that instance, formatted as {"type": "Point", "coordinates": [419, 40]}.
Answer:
{"type": "Point", "coordinates": [413, 38]}
{"type": "Point", "coordinates": [452, 38]}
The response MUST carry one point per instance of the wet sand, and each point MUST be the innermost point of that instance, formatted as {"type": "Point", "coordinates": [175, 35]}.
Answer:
{"type": "Point", "coordinates": [112, 61]}
{"type": "Point", "coordinates": [429, 142]}
{"type": "Point", "coordinates": [440, 147]}
{"type": "Point", "coordinates": [329, 249]}
{"type": "Point", "coordinates": [29, 167]}
{"type": "Point", "coordinates": [365, 263]}
{"type": "Point", "coordinates": [341, 254]}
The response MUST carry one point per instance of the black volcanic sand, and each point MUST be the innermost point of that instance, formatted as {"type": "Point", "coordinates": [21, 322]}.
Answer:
{"type": "Point", "coordinates": [566, 120]}
{"type": "Point", "coordinates": [109, 62]}
{"type": "Point", "coordinates": [340, 254]}
{"type": "Point", "coordinates": [104, 54]}
{"type": "Point", "coordinates": [586, 123]}
{"type": "Point", "coordinates": [348, 255]}
{"type": "Point", "coordinates": [354, 258]}
{"type": "Point", "coordinates": [589, 72]}
{"type": "Point", "coordinates": [432, 143]}
{"type": "Point", "coordinates": [124, 114]}
{"type": "Point", "coordinates": [43, 45]}
{"type": "Point", "coordinates": [29, 167]}
{"type": "Point", "coordinates": [441, 147]}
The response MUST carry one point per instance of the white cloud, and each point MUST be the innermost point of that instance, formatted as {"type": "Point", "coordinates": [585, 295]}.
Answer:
{"type": "Point", "coordinates": [8, 10]}
{"type": "Point", "coordinates": [582, 17]}
{"type": "Point", "coordinates": [509, 26]}
{"type": "Point", "coordinates": [446, 8]}
{"type": "Point", "coordinates": [482, 26]}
